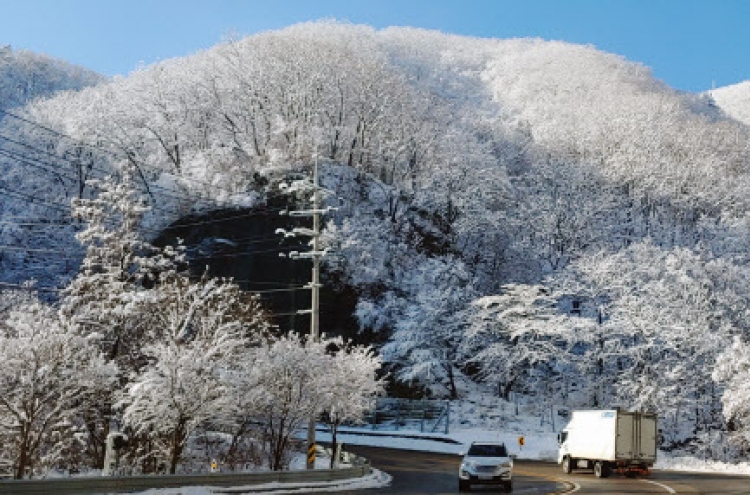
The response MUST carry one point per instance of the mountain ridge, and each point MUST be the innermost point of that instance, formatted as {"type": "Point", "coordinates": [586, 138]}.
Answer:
{"type": "Point", "coordinates": [503, 205]}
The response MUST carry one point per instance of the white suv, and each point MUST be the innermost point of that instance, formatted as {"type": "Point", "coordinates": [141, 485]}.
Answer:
{"type": "Point", "coordinates": [486, 463]}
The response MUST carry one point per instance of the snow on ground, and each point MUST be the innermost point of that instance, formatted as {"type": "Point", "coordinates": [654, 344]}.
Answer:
{"type": "Point", "coordinates": [668, 463]}
{"type": "Point", "coordinates": [375, 480]}
{"type": "Point", "coordinates": [540, 447]}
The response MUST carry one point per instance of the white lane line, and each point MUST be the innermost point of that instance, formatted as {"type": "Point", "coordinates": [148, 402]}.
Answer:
{"type": "Point", "coordinates": [667, 488]}
{"type": "Point", "coordinates": [576, 487]}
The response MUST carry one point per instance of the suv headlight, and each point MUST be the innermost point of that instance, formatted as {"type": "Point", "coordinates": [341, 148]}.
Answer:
{"type": "Point", "coordinates": [507, 464]}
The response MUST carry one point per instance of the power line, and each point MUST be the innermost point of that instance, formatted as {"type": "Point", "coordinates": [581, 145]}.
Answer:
{"type": "Point", "coordinates": [260, 282]}
{"type": "Point", "coordinates": [21, 222]}
{"type": "Point", "coordinates": [33, 163]}
{"type": "Point", "coordinates": [271, 291]}
{"type": "Point", "coordinates": [56, 169]}
{"type": "Point", "coordinates": [265, 291]}
{"type": "Point", "coordinates": [36, 163]}
{"type": "Point", "coordinates": [179, 224]}
{"type": "Point", "coordinates": [30, 287]}
{"type": "Point", "coordinates": [43, 165]}
{"type": "Point", "coordinates": [248, 253]}
{"type": "Point", "coordinates": [113, 154]}
{"type": "Point", "coordinates": [104, 150]}
{"type": "Point", "coordinates": [34, 199]}
{"type": "Point", "coordinates": [73, 225]}
{"type": "Point", "coordinates": [66, 254]}
{"type": "Point", "coordinates": [288, 314]}
{"type": "Point", "coordinates": [166, 192]}
{"type": "Point", "coordinates": [234, 240]}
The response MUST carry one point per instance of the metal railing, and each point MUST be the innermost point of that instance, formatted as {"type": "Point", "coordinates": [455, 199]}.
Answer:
{"type": "Point", "coordinates": [423, 415]}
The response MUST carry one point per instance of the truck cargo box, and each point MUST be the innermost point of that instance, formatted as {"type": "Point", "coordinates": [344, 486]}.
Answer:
{"type": "Point", "coordinates": [614, 438]}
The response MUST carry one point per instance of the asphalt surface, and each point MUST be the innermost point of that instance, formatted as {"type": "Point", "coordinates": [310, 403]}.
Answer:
{"type": "Point", "coordinates": [429, 473]}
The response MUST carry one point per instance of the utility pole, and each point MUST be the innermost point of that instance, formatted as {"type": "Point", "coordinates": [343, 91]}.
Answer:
{"type": "Point", "coordinates": [315, 254]}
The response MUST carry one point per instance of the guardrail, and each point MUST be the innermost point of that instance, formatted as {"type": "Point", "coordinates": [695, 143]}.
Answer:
{"type": "Point", "coordinates": [122, 484]}
{"type": "Point", "coordinates": [423, 414]}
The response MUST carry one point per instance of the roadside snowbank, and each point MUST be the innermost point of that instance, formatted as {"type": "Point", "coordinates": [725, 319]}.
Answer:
{"type": "Point", "coordinates": [668, 463]}
{"type": "Point", "coordinates": [377, 479]}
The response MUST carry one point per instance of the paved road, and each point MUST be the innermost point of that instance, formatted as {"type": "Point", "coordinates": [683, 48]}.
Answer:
{"type": "Point", "coordinates": [427, 473]}
{"type": "Point", "coordinates": [660, 482]}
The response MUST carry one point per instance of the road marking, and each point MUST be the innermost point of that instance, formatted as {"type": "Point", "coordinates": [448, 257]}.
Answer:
{"type": "Point", "coordinates": [575, 488]}
{"type": "Point", "coordinates": [572, 486]}
{"type": "Point", "coordinates": [667, 488]}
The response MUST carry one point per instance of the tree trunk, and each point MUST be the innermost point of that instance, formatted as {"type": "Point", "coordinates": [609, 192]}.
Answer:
{"type": "Point", "coordinates": [23, 454]}
{"type": "Point", "coordinates": [334, 442]}
{"type": "Point", "coordinates": [177, 444]}
{"type": "Point", "coordinates": [232, 453]}
{"type": "Point", "coordinates": [22, 459]}
{"type": "Point", "coordinates": [451, 382]}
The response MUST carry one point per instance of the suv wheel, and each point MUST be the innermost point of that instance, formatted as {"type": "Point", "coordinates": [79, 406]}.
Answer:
{"type": "Point", "coordinates": [464, 486]}
{"type": "Point", "coordinates": [509, 486]}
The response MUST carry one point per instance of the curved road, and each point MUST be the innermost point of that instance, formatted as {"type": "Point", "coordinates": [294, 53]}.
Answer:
{"type": "Point", "coordinates": [429, 473]}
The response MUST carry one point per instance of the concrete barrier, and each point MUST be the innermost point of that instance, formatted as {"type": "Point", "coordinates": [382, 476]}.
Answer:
{"type": "Point", "coordinates": [124, 484]}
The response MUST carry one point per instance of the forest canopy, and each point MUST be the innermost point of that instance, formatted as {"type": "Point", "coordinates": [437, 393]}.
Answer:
{"type": "Point", "coordinates": [541, 217]}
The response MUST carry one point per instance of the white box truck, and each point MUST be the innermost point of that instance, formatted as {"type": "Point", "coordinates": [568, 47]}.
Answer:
{"type": "Point", "coordinates": [608, 440]}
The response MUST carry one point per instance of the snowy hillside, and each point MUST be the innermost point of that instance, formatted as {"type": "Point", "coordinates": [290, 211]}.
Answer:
{"type": "Point", "coordinates": [542, 217]}
{"type": "Point", "coordinates": [25, 75]}
{"type": "Point", "coordinates": [734, 100]}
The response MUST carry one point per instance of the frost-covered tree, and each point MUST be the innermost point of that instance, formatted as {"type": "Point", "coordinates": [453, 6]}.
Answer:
{"type": "Point", "coordinates": [50, 372]}
{"type": "Point", "coordinates": [516, 336]}
{"type": "Point", "coordinates": [502, 162]}
{"type": "Point", "coordinates": [668, 314]}
{"type": "Point", "coordinates": [351, 386]}
{"type": "Point", "coordinates": [733, 372]}
{"type": "Point", "coordinates": [111, 297]}
{"type": "Point", "coordinates": [423, 347]}
{"type": "Point", "coordinates": [208, 328]}
{"type": "Point", "coordinates": [181, 389]}
{"type": "Point", "coordinates": [25, 75]}
{"type": "Point", "coordinates": [288, 374]}
{"type": "Point", "coordinates": [109, 293]}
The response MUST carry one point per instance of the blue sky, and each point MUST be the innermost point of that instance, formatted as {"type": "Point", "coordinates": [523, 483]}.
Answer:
{"type": "Point", "coordinates": [689, 44]}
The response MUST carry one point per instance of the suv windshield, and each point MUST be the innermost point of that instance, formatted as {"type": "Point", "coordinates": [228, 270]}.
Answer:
{"type": "Point", "coordinates": [487, 451]}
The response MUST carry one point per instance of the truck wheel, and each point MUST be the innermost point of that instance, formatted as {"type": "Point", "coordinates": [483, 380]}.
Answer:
{"type": "Point", "coordinates": [567, 465]}
{"type": "Point", "coordinates": [601, 469]}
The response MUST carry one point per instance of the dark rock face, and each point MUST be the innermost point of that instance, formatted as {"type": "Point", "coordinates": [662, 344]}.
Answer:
{"type": "Point", "coordinates": [243, 245]}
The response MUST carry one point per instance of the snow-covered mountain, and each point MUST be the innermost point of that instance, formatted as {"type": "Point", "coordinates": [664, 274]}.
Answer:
{"type": "Point", "coordinates": [25, 75]}
{"type": "Point", "coordinates": [734, 100]}
{"type": "Point", "coordinates": [539, 215]}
